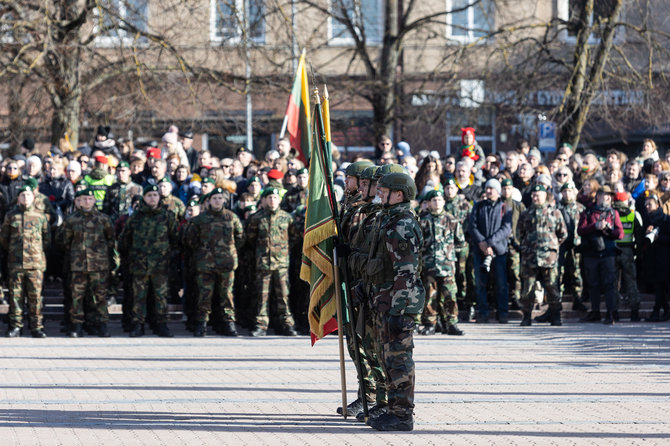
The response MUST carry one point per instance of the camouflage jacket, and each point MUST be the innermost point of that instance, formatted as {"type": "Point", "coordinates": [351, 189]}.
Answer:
{"type": "Point", "coordinates": [361, 240]}
{"type": "Point", "coordinates": [294, 197]}
{"type": "Point", "coordinates": [350, 215]}
{"type": "Point", "coordinates": [442, 237]}
{"type": "Point", "coordinates": [394, 262]}
{"type": "Point", "coordinates": [459, 207]}
{"type": "Point", "coordinates": [516, 208]}
{"type": "Point", "coordinates": [213, 239]}
{"type": "Point", "coordinates": [270, 235]}
{"type": "Point", "coordinates": [88, 239]}
{"type": "Point", "coordinates": [25, 237]}
{"type": "Point", "coordinates": [174, 205]}
{"type": "Point", "coordinates": [541, 230]}
{"type": "Point", "coordinates": [118, 199]}
{"type": "Point", "coordinates": [148, 238]}
{"type": "Point", "coordinates": [571, 213]}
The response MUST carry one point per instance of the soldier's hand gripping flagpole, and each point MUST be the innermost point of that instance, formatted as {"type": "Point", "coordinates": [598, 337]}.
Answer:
{"type": "Point", "coordinates": [323, 144]}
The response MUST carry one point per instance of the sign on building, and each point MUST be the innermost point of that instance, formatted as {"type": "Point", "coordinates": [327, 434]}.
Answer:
{"type": "Point", "coordinates": [546, 136]}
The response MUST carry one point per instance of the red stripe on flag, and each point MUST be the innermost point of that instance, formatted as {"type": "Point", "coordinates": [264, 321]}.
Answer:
{"type": "Point", "coordinates": [293, 113]}
{"type": "Point", "coordinates": [328, 328]}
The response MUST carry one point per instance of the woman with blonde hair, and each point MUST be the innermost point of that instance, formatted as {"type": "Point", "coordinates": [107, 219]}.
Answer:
{"type": "Point", "coordinates": [588, 192]}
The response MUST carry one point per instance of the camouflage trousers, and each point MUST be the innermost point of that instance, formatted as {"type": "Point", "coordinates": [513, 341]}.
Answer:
{"type": "Point", "coordinates": [215, 288]}
{"type": "Point", "coordinates": [371, 371]}
{"type": "Point", "coordinates": [513, 274]}
{"type": "Point", "coordinates": [441, 300]}
{"type": "Point", "coordinates": [571, 273]}
{"type": "Point", "coordinates": [396, 347]}
{"type": "Point", "coordinates": [31, 280]}
{"type": "Point", "coordinates": [264, 281]}
{"type": "Point", "coordinates": [461, 277]}
{"type": "Point", "coordinates": [627, 272]}
{"type": "Point", "coordinates": [142, 284]}
{"type": "Point", "coordinates": [548, 278]}
{"type": "Point", "coordinates": [93, 286]}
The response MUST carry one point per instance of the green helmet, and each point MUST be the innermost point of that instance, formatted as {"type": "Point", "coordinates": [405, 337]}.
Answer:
{"type": "Point", "coordinates": [399, 181]}
{"type": "Point", "coordinates": [369, 173]}
{"type": "Point", "coordinates": [355, 169]}
{"type": "Point", "coordinates": [389, 168]}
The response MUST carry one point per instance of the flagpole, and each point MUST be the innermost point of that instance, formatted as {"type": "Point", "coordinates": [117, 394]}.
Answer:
{"type": "Point", "coordinates": [326, 160]}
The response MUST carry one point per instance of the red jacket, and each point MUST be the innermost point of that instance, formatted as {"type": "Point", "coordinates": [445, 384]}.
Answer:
{"type": "Point", "coordinates": [587, 229]}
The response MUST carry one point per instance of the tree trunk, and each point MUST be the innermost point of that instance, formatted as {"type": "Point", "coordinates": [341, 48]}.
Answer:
{"type": "Point", "coordinates": [65, 118]}
{"type": "Point", "coordinates": [384, 95]}
{"type": "Point", "coordinates": [17, 114]}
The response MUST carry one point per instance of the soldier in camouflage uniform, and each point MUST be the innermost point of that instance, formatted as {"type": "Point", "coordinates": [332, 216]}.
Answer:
{"type": "Point", "coordinates": [398, 296]}
{"type": "Point", "coordinates": [375, 380]}
{"type": "Point", "coordinates": [541, 230]}
{"type": "Point", "coordinates": [569, 259]}
{"type": "Point", "coordinates": [87, 237]}
{"type": "Point", "coordinates": [25, 237]}
{"type": "Point", "coordinates": [213, 239]}
{"type": "Point", "coordinates": [513, 247]}
{"type": "Point", "coordinates": [119, 196]}
{"type": "Point", "coordinates": [190, 284]}
{"type": "Point", "coordinates": [270, 232]}
{"type": "Point", "coordinates": [296, 195]}
{"type": "Point", "coordinates": [148, 238]}
{"type": "Point", "coordinates": [178, 209]}
{"type": "Point", "coordinates": [442, 238]}
{"type": "Point", "coordinates": [459, 207]}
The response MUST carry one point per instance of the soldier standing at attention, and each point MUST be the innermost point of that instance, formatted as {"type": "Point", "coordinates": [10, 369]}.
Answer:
{"type": "Point", "coordinates": [513, 246]}
{"type": "Point", "coordinates": [270, 233]}
{"type": "Point", "coordinates": [119, 196]}
{"type": "Point", "coordinates": [442, 237]}
{"type": "Point", "coordinates": [87, 236]}
{"type": "Point", "coordinates": [213, 238]}
{"type": "Point", "coordinates": [569, 258]}
{"type": "Point", "coordinates": [150, 235]}
{"type": "Point", "coordinates": [541, 231]}
{"type": "Point", "coordinates": [25, 237]}
{"type": "Point", "coordinates": [398, 296]}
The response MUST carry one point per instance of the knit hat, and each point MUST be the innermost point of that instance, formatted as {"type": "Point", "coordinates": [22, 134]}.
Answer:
{"type": "Point", "coordinates": [170, 138]}
{"type": "Point", "coordinates": [465, 131]}
{"type": "Point", "coordinates": [493, 184]}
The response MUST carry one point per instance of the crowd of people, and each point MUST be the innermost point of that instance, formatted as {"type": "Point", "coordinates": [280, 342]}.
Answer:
{"type": "Point", "coordinates": [167, 223]}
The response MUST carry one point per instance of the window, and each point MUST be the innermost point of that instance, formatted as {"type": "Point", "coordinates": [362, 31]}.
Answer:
{"type": "Point", "coordinates": [569, 10]}
{"type": "Point", "coordinates": [227, 20]}
{"type": "Point", "coordinates": [120, 20]}
{"type": "Point", "coordinates": [366, 16]}
{"type": "Point", "coordinates": [471, 20]}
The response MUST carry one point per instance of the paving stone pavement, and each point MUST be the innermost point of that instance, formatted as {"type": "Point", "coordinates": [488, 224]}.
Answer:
{"type": "Point", "coordinates": [499, 384]}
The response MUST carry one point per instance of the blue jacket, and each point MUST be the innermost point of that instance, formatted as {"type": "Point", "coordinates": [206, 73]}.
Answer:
{"type": "Point", "coordinates": [491, 222]}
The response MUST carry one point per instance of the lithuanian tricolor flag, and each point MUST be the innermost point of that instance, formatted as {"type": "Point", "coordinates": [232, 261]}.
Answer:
{"type": "Point", "coordinates": [297, 117]}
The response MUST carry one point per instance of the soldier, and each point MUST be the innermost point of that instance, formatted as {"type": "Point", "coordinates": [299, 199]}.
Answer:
{"type": "Point", "coordinates": [569, 258]}
{"type": "Point", "coordinates": [541, 230]}
{"type": "Point", "coordinates": [270, 232]}
{"type": "Point", "coordinates": [213, 239]}
{"type": "Point", "coordinates": [513, 246]}
{"type": "Point", "coordinates": [173, 204]}
{"type": "Point", "coordinates": [398, 296]}
{"type": "Point", "coordinates": [442, 237]}
{"type": "Point", "coordinates": [296, 195]}
{"type": "Point", "coordinates": [148, 238]}
{"type": "Point", "coordinates": [459, 207]}
{"type": "Point", "coordinates": [119, 196]}
{"type": "Point", "coordinates": [178, 209]}
{"type": "Point", "coordinates": [25, 237]}
{"type": "Point", "coordinates": [87, 236]}
{"type": "Point", "coordinates": [190, 285]}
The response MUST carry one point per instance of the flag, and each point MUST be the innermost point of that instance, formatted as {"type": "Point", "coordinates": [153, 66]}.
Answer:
{"type": "Point", "coordinates": [320, 228]}
{"type": "Point", "coordinates": [297, 116]}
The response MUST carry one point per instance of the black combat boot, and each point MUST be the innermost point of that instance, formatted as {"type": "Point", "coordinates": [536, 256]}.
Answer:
{"type": "Point", "coordinates": [228, 329]}
{"type": "Point", "coordinates": [392, 422]}
{"type": "Point", "coordinates": [288, 330]}
{"type": "Point", "coordinates": [136, 330]}
{"type": "Point", "coordinates": [374, 412]}
{"type": "Point", "coordinates": [164, 331]}
{"type": "Point", "coordinates": [76, 331]}
{"type": "Point", "coordinates": [555, 317]}
{"type": "Point", "coordinates": [578, 305]}
{"type": "Point", "coordinates": [527, 320]}
{"type": "Point", "coordinates": [38, 333]}
{"type": "Point", "coordinates": [427, 330]}
{"type": "Point", "coordinates": [353, 409]}
{"type": "Point", "coordinates": [103, 331]}
{"type": "Point", "coordinates": [453, 330]}
{"type": "Point", "coordinates": [200, 330]}
{"type": "Point", "coordinates": [258, 332]}
{"type": "Point", "coordinates": [14, 332]}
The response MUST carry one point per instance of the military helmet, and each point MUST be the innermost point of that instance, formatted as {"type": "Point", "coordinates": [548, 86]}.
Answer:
{"type": "Point", "coordinates": [399, 181]}
{"type": "Point", "coordinates": [369, 173]}
{"type": "Point", "coordinates": [355, 169]}
{"type": "Point", "coordinates": [389, 168]}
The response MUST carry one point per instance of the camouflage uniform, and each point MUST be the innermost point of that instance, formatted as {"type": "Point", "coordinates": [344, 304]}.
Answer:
{"type": "Point", "coordinates": [541, 230]}
{"type": "Point", "coordinates": [513, 252]}
{"type": "Point", "coordinates": [88, 239]}
{"type": "Point", "coordinates": [569, 258]}
{"type": "Point", "coordinates": [174, 205]}
{"type": "Point", "coordinates": [442, 239]}
{"type": "Point", "coordinates": [25, 237]}
{"type": "Point", "coordinates": [178, 209]}
{"type": "Point", "coordinates": [459, 207]}
{"type": "Point", "coordinates": [147, 240]}
{"type": "Point", "coordinates": [213, 238]}
{"type": "Point", "coordinates": [270, 234]}
{"type": "Point", "coordinates": [294, 198]}
{"type": "Point", "coordinates": [398, 296]}
{"type": "Point", "coordinates": [118, 199]}
{"type": "Point", "coordinates": [369, 345]}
